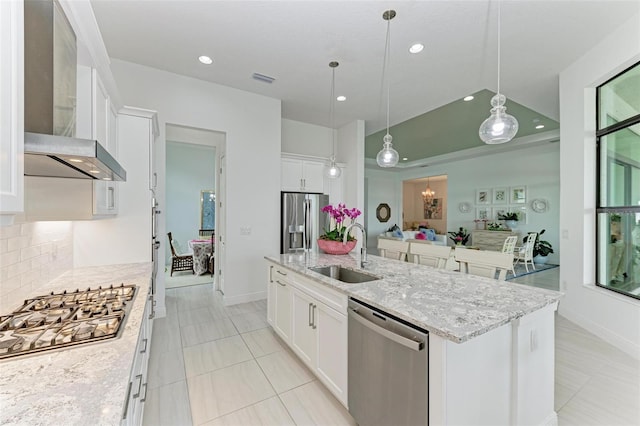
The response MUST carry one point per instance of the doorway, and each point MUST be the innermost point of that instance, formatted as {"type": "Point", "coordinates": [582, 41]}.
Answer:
{"type": "Point", "coordinates": [193, 195]}
{"type": "Point", "coordinates": [424, 203]}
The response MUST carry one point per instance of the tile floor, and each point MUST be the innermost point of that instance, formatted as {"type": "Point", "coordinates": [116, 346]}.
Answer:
{"type": "Point", "coordinates": [215, 365]}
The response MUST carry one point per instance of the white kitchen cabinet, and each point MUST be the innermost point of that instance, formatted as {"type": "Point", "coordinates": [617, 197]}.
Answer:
{"type": "Point", "coordinates": [312, 319]}
{"type": "Point", "coordinates": [137, 389]}
{"type": "Point", "coordinates": [11, 110]}
{"type": "Point", "coordinates": [300, 175]}
{"type": "Point", "coordinates": [304, 341]}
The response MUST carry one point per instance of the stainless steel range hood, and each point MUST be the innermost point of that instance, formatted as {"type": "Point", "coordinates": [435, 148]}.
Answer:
{"type": "Point", "coordinates": [63, 156]}
{"type": "Point", "coordinates": [50, 146]}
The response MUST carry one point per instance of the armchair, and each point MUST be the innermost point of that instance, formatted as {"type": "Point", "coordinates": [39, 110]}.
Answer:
{"type": "Point", "coordinates": [179, 262]}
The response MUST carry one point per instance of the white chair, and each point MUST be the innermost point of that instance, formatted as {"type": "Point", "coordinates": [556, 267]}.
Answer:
{"type": "Point", "coordinates": [426, 253]}
{"type": "Point", "coordinates": [393, 248]}
{"type": "Point", "coordinates": [508, 247]}
{"type": "Point", "coordinates": [484, 263]}
{"type": "Point", "coordinates": [525, 253]}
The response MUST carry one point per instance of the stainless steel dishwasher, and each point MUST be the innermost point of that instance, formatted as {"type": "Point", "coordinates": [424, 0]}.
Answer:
{"type": "Point", "coordinates": [388, 369]}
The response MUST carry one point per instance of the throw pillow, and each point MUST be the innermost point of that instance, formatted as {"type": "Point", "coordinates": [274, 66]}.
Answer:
{"type": "Point", "coordinates": [420, 236]}
{"type": "Point", "coordinates": [431, 234]}
{"type": "Point", "coordinates": [397, 233]}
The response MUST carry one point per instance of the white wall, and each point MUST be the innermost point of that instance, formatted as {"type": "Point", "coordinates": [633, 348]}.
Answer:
{"type": "Point", "coordinates": [306, 139]}
{"type": "Point", "coordinates": [350, 151]}
{"type": "Point", "coordinates": [252, 124]}
{"type": "Point", "coordinates": [536, 167]}
{"type": "Point", "coordinates": [613, 317]}
{"type": "Point", "coordinates": [190, 169]}
{"type": "Point", "coordinates": [382, 187]}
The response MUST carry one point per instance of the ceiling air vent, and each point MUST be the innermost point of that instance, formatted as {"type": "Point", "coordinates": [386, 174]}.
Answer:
{"type": "Point", "coordinates": [262, 77]}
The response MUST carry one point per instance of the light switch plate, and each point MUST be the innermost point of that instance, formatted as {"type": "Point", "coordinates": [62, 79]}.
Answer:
{"type": "Point", "coordinates": [245, 230]}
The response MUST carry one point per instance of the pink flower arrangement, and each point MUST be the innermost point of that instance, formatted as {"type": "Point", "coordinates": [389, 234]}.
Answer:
{"type": "Point", "coordinates": [338, 215]}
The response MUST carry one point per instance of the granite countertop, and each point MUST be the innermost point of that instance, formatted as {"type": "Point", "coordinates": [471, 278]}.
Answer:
{"type": "Point", "coordinates": [455, 306]}
{"type": "Point", "coordinates": [83, 384]}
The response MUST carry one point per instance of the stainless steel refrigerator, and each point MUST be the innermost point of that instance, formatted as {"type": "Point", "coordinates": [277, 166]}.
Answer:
{"type": "Point", "coordinates": [302, 221]}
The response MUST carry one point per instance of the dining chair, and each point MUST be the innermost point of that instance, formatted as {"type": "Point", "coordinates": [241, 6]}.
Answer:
{"type": "Point", "coordinates": [206, 232]}
{"type": "Point", "coordinates": [509, 247]}
{"type": "Point", "coordinates": [392, 248]}
{"type": "Point", "coordinates": [425, 253]}
{"type": "Point", "coordinates": [212, 255]}
{"type": "Point", "coordinates": [179, 262]}
{"type": "Point", "coordinates": [524, 254]}
{"type": "Point", "coordinates": [485, 263]}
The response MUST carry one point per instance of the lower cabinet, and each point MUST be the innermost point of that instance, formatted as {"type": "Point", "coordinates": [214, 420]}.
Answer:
{"type": "Point", "coordinates": [137, 389]}
{"type": "Point", "coordinates": [312, 320]}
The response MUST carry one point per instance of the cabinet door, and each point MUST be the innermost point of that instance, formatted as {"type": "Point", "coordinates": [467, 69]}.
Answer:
{"type": "Point", "coordinates": [271, 296]}
{"type": "Point", "coordinates": [313, 176]}
{"type": "Point", "coordinates": [11, 109]}
{"type": "Point", "coordinates": [283, 310]}
{"type": "Point", "coordinates": [291, 175]}
{"type": "Point", "coordinates": [303, 331]}
{"type": "Point", "coordinates": [332, 350]}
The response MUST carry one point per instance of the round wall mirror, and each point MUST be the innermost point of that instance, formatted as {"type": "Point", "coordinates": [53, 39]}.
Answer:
{"type": "Point", "coordinates": [383, 212]}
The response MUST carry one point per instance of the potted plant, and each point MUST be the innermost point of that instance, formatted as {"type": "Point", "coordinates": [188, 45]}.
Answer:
{"type": "Point", "coordinates": [541, 248]}
{"type": "Point", "coordinates": [331, 242]}
{"type": "Point", "coordinates": [460, 238]}
{"type": "Point", "coordinates": [510, 219]}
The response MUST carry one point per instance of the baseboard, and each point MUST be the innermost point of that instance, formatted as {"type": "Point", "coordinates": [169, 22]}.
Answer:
{"type": "Point", "coordinates": [243, 298]}
{"type": "Point", "coordinates": [551, 420]}
{"type": "Point", "coordinates": [604, 333]}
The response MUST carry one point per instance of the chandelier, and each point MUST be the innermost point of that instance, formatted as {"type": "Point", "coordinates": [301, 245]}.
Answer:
{"type": "Point", "coordinates": [428, 194]}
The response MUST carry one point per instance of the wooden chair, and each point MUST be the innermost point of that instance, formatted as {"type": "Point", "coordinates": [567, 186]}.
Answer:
{"type": "Point", "coordinates": [393, 248]}
{"type": "Point", "coordinates": [524, 254]}
{"type": "Point", "coordinates": [179, 262]}
{"type": "Point", "coordinates": [206, 232]}
{"type": "Point", "coordinates": [425, 253]}
{"type": "Point", "coordinates": [484, 263]}
{"type": "Point", "coordinates": [508, 247]}
{"type": "Point", "coordinates": [212, 257]}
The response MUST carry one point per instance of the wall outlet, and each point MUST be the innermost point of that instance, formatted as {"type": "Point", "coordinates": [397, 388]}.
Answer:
{"type": "Point", "coordinates": [245, 230]}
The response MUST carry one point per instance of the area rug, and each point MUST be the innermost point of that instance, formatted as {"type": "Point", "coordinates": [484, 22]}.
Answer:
{"type": "Point", "coordinates": [520, 269]}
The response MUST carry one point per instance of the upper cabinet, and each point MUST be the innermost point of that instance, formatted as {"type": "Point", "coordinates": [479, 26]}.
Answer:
{"type": "Point", "coordinates": [11, 110]}
{"type": "Point", "coordinates": [300, 175]}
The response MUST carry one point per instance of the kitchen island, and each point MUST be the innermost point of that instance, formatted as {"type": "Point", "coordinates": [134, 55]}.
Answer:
{"type": "Point", "coordinates": [491, 343]}
{"type": "Point", "coordinates": [84, 384]}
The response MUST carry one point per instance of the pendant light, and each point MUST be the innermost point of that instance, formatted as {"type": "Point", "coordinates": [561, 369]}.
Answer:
{"type": "Point", "coordinates": [428, 194]}
{"type": "Point", "coordinates": [333, 171]}
{"type": "Point", "coordinates": [387, 157]}
{"type": "Point", "coordinates": [500, 127]}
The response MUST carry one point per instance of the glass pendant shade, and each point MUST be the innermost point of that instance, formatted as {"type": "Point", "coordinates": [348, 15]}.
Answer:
{"type": "Point", "coordinates": [387, 157]}
{"type": "Point", "coordinates": [500, 127]}
{"type": "Point", "coordinates": [332, 171]}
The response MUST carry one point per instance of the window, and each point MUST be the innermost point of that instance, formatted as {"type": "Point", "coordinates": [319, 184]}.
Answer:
{"type": "Point", "coordinates": [618, 183]}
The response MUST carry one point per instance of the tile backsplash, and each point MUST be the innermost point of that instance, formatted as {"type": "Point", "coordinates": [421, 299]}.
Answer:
{"type": "Point", "coordinates": [31, 255]}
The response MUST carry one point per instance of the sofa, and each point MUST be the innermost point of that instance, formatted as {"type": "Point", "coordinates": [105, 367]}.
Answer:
{"type": "Point", "coordinates": [440, 240]}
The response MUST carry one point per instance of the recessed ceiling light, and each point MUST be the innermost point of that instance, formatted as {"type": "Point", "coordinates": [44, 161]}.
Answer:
{"type": "Point", "coordinates": [205, 60]}
{"type": "Point", "coordinates": [467, 98]}
{"type": "Point", "coordinates": [341, 98]}
{"type": "Point", "coordinates": [75, 160]}
{"type": "Point", "coordinates": [95, 172]}
{"type": "Point", "coordinates": [540, 126]}
{"type": "Point", "coordinates": [404, 159]}
{"type": "Point", "coordinates": [416, 48]}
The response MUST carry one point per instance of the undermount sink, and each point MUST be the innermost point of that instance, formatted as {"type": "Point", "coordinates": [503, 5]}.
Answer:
{"type": "Point", "coordinates": [345, 275]}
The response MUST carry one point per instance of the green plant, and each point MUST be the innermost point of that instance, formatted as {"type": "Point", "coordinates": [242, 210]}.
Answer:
{"type": "Point", "coordinates": [493, 226]}
{"type": "Point", "coordinates": [540, 247]}
{"type": "Point", "coordinates": [460, 237]}
{"type": "Point", "coordinates": [508, 216]}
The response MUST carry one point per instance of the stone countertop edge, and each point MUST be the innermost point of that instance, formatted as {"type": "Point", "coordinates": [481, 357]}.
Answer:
{"type": "Point", "coordinates": [85, 383]}
{"type": "Point", "coordinates": [455, 306]}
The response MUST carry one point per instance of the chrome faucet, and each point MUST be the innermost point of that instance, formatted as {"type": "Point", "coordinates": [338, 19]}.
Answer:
{"type": "Point", "coordinates": [363, 250]}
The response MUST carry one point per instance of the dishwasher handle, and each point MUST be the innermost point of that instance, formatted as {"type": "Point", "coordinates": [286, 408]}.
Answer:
{"type": "Point", "coordinates": [411, 344]}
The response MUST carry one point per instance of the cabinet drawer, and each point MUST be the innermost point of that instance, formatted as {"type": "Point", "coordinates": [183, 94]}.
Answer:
{"type": "Point", "coordinates": [322, 293]}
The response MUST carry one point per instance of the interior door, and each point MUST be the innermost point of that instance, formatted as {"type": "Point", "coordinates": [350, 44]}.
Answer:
{"type": "Point", "coordinates": [220, 250]}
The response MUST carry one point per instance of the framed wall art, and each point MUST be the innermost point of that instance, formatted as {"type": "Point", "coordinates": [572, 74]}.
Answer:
{"type": "Point", "coordinates": [483, 196]}
{"type": "Point", "coordinates": [500, 195]}
{"type": "Point", "coordinates": [433, 209]}
{"type": "Point", "coordinates": [518, 195]}
{"type": "Point", "coordinates": [483, 213]}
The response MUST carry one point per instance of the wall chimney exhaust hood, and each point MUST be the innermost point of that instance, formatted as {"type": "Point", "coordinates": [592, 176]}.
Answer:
{"type": "Point", "coordinates": [50, 62]}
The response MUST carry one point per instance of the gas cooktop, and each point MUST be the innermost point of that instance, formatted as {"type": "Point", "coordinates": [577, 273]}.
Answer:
{"type": "Point", "coordinates": [59, 320]}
